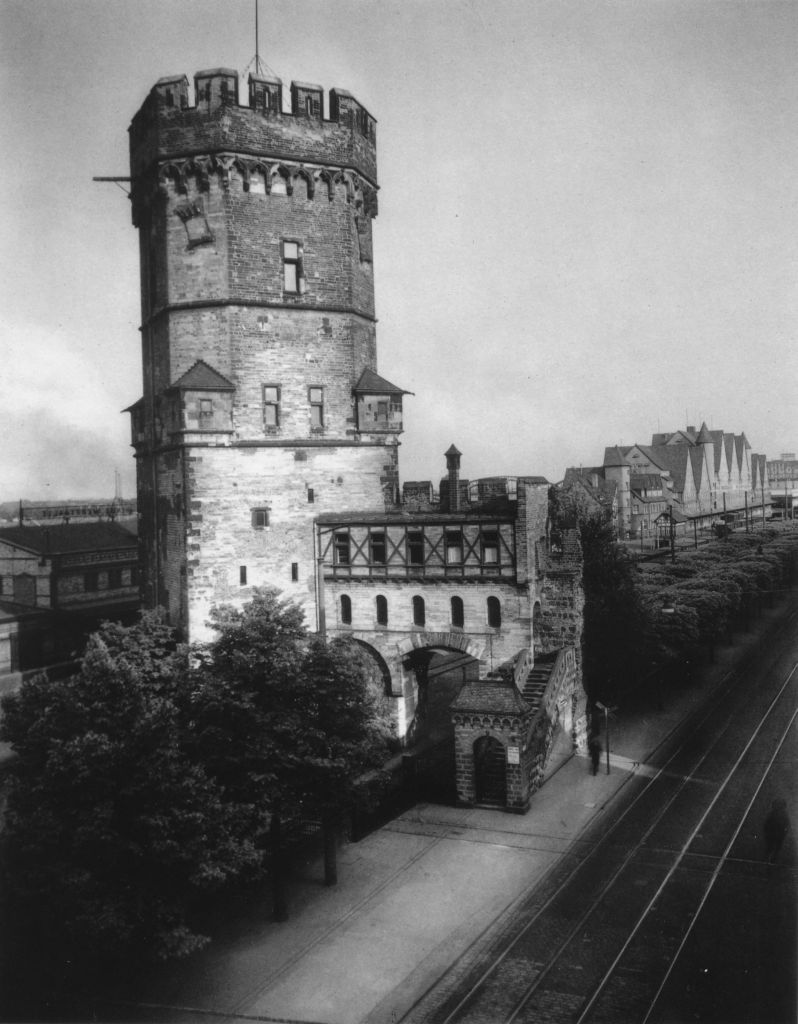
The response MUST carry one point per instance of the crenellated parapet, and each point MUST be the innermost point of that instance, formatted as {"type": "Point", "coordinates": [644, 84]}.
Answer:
{"type": "Point", "coordinates": [217, 133]}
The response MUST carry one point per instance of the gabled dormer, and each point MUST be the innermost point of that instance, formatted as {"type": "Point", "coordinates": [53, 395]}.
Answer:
{"type": "Point", "coordinates": [378, 404]}
{"type": "Point", "coordinates": [201, 401]}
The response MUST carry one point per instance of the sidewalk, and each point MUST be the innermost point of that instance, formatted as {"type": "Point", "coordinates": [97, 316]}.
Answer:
{"type": "Point", "coordinates": [415, 895]}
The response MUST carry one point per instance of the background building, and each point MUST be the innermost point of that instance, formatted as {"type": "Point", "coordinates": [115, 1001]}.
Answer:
{"type": "Point", "coordinates": [698, 477]}
{"type": "Point", "coordinates": [58, 583]}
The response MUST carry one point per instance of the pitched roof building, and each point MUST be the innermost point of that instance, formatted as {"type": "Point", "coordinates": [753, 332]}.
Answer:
{"type": "Point", "coordinates": [698, 476]}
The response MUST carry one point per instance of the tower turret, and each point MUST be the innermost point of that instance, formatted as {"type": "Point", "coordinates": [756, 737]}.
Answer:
{"type": "Point", "coordinates": [258, 322]}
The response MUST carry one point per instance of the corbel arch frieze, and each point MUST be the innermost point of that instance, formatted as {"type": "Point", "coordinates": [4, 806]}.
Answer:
{"type": "Point", "coordinates": [284, 172]}
{"type": "Point", "coordinates": [359, 193]}
{"type": "Point", "coordinates": [328, 177]}
{"type": "Point", "coordinates": [174, 172]}
{"type": "Point", "coordinates": [222, 164]}
{"type": "Point", "coordinates": [245, 169]}
{"type": "Point", "coordinates": [497, 726]}
{"type": "Point", "coordinates": [307, 176]}
{"type": "Point", "coordinates": [200, 168]}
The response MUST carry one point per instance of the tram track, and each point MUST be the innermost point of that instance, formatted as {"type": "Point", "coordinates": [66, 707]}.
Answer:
{"type": "Point", "coordinates": [504, 990]}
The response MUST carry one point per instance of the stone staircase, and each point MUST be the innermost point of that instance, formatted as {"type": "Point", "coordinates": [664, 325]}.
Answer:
{"type": "Point", "coordinates": [536, 683]}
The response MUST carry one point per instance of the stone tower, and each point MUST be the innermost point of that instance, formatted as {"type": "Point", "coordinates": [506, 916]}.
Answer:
{"type": "Point", "coordinates": [262, 406]}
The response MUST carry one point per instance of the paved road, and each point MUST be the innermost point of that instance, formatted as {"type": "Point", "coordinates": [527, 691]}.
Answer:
{"type": "Point", "coordinates": [668, 910]}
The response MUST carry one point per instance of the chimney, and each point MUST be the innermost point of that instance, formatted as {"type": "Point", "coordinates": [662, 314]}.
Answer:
{"type": "Point", "coordinates": [453, 469]}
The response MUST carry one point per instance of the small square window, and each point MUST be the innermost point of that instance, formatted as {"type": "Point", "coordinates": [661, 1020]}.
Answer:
{"type": "Point", "coordinates": [260, 518]}
{"type": "Point", "coordinates": [263, 324]}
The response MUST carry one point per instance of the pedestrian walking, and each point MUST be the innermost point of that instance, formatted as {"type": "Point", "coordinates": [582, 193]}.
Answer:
{"type": "Point", "coordinates": [594, 749]}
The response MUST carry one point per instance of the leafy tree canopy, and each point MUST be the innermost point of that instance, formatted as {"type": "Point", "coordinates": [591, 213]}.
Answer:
{"type": "Point", "coordinates": [114, 830]}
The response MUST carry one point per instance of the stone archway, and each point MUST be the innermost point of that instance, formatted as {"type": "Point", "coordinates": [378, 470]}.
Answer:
{"type": "Point", "coordinates": [490, 772]}
{"type": "Point", "coordinates": [438, 675]}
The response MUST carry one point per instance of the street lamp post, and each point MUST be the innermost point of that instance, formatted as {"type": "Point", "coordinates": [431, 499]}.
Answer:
{"type": "Point", "coordinates": [607, 712]}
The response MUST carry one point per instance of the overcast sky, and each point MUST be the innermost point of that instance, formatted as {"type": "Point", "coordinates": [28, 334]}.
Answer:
{"type": "Point", "coordinates": [588, 226]}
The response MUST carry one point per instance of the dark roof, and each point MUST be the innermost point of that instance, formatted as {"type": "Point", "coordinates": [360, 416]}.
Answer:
{"type": "Point", "coordinates": [202, 377]}
{"type": "Point", "coordinates": [614, 457]}
{"type": "Point", "coordinates": [704, 435]}
{"type": "Point", "coordinates": [371, 383]}
{"type": "Point", "coordinates": [675, 513]}
{"type": "Point", "coordinates": [11, 612]}
{"type": "Point", "coordinates": [601, 489]}
{"type": "Point", "coordinates": [717, 440]}
{"type": "Point", "coordinates": [63, 538]}
{"type": "Point", "coordinates": [647, 481]}
{"type": "Point", "coordinates": [697, 460]}
{"type": "Point", "coordinates": [673, 458]}
{"type": "Point", "coordinates": [492, 696]}
{"type": "Point", "coordinates": [728, 445]}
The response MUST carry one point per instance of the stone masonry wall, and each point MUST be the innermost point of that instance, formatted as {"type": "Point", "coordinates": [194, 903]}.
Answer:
{"type": "Point", "coordinates": [227, 484]}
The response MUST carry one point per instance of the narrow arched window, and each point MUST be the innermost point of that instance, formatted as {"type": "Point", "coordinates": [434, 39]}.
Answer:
{"type": "Point", "coordinates": [419, 613]}
{"type": "Point", "coordinates": [494, 612]}
{"type": "Point", "coordinates": [346, 609]}
{"type": "Point", "coordinates": [458, 615]}
{"type": "Point", "coordinates": [382, 610]}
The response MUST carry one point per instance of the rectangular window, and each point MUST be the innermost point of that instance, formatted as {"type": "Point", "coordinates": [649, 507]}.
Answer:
{"type": "Point", "coordinates": [490, 548]}
{"type": "Point", "coordinates": [295, 571]}
{"type": "Point", "coordinates": [293, 273]}
{"type": "Point", "coordinates": [378, 549]}
{"type": "Point", "coordinates": [316, 399]}
{"type": "Point", "coordinates": [114, 579]}
{"type": "Point", "coordinates": [206, 409]}
{"type": "Point", "coordinates": [342, 548]}
{"type": "Point", "coordinates": [415, 547]}
{"type": "Point", "coordinates": [260, 518]}
{"type": "Point", "coordinates": [271, 406]}
{"type": "Point", "coordinates": [454, 547]}
{"type": "Point", "coordinates": [91, 581]}
{"type": "Point", "coordinates": [242, 575]}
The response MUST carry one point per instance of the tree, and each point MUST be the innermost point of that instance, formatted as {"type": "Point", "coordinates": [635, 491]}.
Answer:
{"type": "Point", "coordinates": [348, 733]}
{"type": "Point", "coordinates": [612, 617]}
{"type": "Point", "coordinates": [286, 722]}
{"type": "Point", "coordinates": [113, 831]}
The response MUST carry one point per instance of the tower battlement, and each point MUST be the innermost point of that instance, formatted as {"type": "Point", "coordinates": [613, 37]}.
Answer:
{"type": "Point", "coordinates": [168, 126]}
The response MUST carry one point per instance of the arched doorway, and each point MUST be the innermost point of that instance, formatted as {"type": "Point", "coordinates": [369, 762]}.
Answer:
{"type": "Point", "coordinates": [437, 676]}
{"type": "Point", "coordinates": [490, 772]}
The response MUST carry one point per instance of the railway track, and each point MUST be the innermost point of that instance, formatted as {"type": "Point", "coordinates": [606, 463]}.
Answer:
{"type": "Point", "coordinates": [599, 940]}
